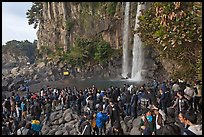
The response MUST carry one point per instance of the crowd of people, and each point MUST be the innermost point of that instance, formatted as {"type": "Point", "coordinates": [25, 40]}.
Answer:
{"type": "Point", "coordinates": [166, 108]}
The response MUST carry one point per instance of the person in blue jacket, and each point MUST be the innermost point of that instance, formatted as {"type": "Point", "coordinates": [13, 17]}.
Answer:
{"type": "Point", "coordinates": [101, 119]}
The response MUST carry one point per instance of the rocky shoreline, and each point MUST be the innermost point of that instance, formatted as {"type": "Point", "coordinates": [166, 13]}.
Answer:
{"type": "Point", "coordinates": [66, 123]}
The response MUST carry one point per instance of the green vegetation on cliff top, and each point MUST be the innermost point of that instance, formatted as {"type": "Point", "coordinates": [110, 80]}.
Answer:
{"type": "Point", "coordinates": [174, 29]}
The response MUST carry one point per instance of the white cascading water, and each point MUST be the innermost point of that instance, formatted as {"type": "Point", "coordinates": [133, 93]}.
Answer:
{"type": "Point", "coordinates": [138, 60]}
{"type": "Point", "coordinates": [125, 41]}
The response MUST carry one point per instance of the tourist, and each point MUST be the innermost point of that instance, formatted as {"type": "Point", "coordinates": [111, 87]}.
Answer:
{"type": "Point", "coordinates": [37, 109]}
{"type": "Point", "coordinates": [198, 96]}
{"type": "Point", "coordinates": [133, 103]}
{"type": "Point", "coordinates": [29, 127]}
{"type": "Point", "coordinates": [48, 110]}
{"type": "Point", "coordinates": [114, 112]}
{"type": "Point", "coordinates": [170, 119]}
{"type": "Point", "coordinates": [115, 130]}
{"type": "Point", "coordinates": [181, 103]}
{"type": "Point", "coordinates": [86, 126]}
{"type": "Point", "coordinates": [22, 129]}
{"type": "Point", "coordinates": [152, 97]}
{"type": "Point", "coordinates": [127, 103]}
{"type": "Point", "coordinates": [189, 94]}
{"type": "Point", "coordinates": [193, 128]}
{"type": "Point", "coordinates": [36, 126]}
{"type": "Point", "coordinates": [24, 109]}
{"type": "Point", "coordinates": [147, 125]}
{"type": "Point", "coordinates": [175, 88]}
{"type": "Point", "coordinates": [159, 121]}
{"type": "Point", "coordinates": [5, 129]}
{"type": "Point", "coordinates": [170, 129]}
{"type": "Point", "coordinates": [13, 106]}
{"type": "Point", "coordinates": [101, 119]}
{"type": "Point", "coordinates": [93, 125]}
{"type": "Point", "coordinates": [7, 107]}
{"type": "Point", "coordinates": [163, 100]}
{"type": "Point", "coordinates": [154, 87]}
{"type": "Point", "coordinates": [82, 119]}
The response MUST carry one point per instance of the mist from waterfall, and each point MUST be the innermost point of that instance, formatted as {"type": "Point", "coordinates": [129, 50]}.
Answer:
{"type": "Point", "coordinates": [125, 64]}
{"type": "Point", "coordinates": [138, 60]}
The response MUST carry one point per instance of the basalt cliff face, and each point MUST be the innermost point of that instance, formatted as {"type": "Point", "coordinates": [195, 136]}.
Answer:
{"type": "Point", "coordinates": [63, 22]}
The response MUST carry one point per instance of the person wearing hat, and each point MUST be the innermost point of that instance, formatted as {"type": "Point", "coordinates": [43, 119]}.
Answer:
{"type": "Point", "coordinates": [159, 121]}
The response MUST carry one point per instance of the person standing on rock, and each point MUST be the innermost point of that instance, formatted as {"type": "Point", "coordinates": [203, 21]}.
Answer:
{"type": "Point", "coordinates": [24, 109]}
{"type": "Point", "coordinates": [114, 112]}
{"type": "Point", "coordinates": [79, 102]}
{"type": "Point", "coordinates": [37, 109]}
{"type": "Point", "coordinates": [18, 112]}
{"type": "Point", "coordinates": [189, 94]}
{"type": "Point", "coordinates": [48, 110]}
{"type": "Point", "coordinates": [7, 107]}
{"type": "Point", "coordinates": [86, 126]}
{"type": "Point", "coordinates": [133, 103]}
{"type": "Point", "coordinates": [101, 119]}
{"type": "Point", "coordinates": [13, 107]}
{"type": "Point", "coordinates": [147, 125]}
{"type": "Point", "coordinates": [159, 121]}
{"type": "Point", "coordinates": [163, 100]}
{"type": "Point", "coordinates": [181, 103]}
{"type": "Point", "coordinates": [115, 130]}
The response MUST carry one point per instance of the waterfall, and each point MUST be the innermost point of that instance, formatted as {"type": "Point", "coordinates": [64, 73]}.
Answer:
{"type": "Point", "coordinates": [125, 41]}
{"type": "Point", "coordinates": [138, 60]}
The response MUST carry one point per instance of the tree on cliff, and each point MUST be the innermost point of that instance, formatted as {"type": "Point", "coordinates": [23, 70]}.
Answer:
{"type": "Point", "coordinates": [174, 29]}
{"type": "Point", "coordinates": [34, 14]}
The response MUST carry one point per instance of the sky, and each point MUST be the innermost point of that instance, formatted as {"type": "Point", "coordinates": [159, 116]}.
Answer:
{"type": "Point", "coordinates": [15, 24]}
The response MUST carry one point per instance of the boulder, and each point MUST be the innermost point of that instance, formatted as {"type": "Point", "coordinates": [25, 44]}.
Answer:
{"type": "Point", "coordinates": [45, 132]}
{"type": "Point", "coordinates": [59, 115]}
{"type": "Point", "coordinates": [73, 132]}
{"type": "Point", "coordinates": [66, 112]}
{"type": "Point", "coordinates": [4, 83]}
{"type": "Point", "coordinates": [52, 132]}
{"type": "Point", "coordinates": [36, 76]}
{"type": "Point", "coordinates": [68, 117]}
{"type": "Point", "coordinates": [59, 132]}
{"type": "Point", "coordinates": [11, 87]}
{"type": "Point", "coordinates": [53, 115]}
{"type": "Point", "coordinates": [57, 108]}
{"type": "Point", "coordinates": [49, 72]}
{"type": "Point", "coordinates": [124, 127]}
{"type": "Point", "coordinates": [135, 131]}
{"type": "Point", "coordinates": [41, 65]}
{"type": "Point", "coordinates": [18, 80]}
{"type": "Point", "coordinates": [55, 122]}
{"type": "Point", "coordinates": [15, 70]}
{"type": "Point", "coordinates": [61, 126]}
{"type": "Point", "coordinates": [65, 132]}
{"type": "Point", "coordinates": [25, 71]}
{"type": "Point", "coordinates": [129, 125]}
{"type": "Point", "coordinates": [45, 129]}
{"type": "Point", "coordinates": [136, 122]}
{"type": "Point", "coordinates": [9, 79]}
{"type": "Point", "coordinates": [5, 72]}
{"type": "Point", "coordinates": [61, 121]}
